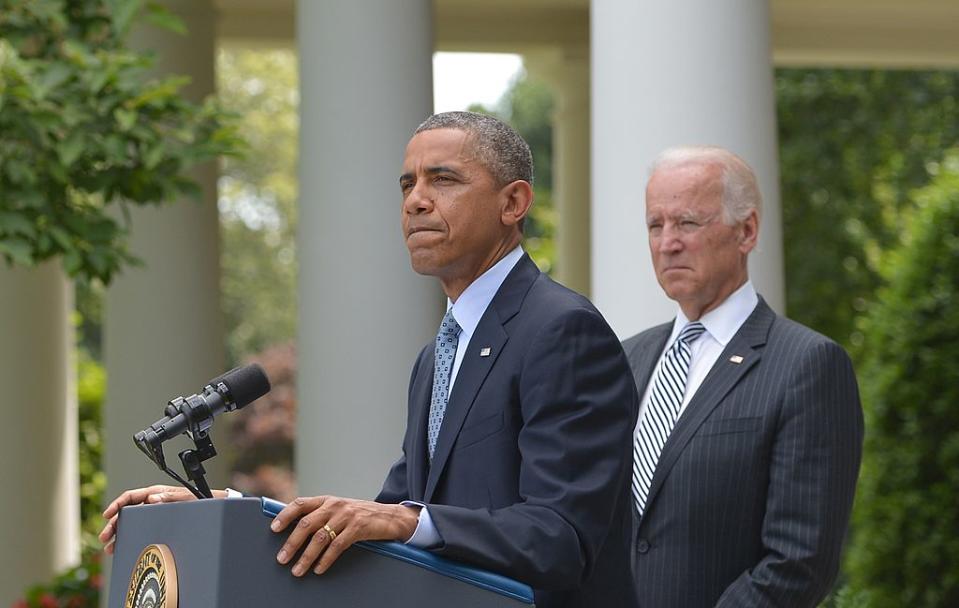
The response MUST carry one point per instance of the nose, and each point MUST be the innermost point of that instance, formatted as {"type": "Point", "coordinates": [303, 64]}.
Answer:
{"type": "Point", "coordinates": [668, 240]}
{"type": "Point", "coordinates": [418, 200]}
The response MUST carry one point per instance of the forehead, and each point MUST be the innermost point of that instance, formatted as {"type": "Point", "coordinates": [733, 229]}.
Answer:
{"type": "Point", "coordinates": [438, 146]}
{"type": "Point", "coordinates": [684, 188]}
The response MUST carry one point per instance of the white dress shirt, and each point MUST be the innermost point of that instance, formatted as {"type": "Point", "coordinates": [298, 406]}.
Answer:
{"type": "Point", "coordinates": [721, 325]}
{"type": "Point", "coordinates": [468, 309]}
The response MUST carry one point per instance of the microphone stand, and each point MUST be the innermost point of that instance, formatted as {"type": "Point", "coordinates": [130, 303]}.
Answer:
{"type": "Point", "coordinates": [192, 461]}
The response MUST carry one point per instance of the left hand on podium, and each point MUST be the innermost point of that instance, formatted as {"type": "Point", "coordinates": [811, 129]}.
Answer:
{"type": "Point", "coordinates": [329, 524]}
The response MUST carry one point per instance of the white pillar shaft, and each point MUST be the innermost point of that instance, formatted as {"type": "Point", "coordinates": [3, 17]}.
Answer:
{"type": "Point", "coordinates": [163, 333]}
{"type": "Point", "coordinates": [366, 83]}
{"type": "Point", "coordinates": [40, 512]}
{"type": "Point", "coordinates": [664, 74]}
{"type": "Point", "coordinates": [571, 171]}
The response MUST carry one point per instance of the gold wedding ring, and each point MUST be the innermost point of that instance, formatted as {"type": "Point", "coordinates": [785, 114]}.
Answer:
{"type": "Point", "coordinates": [330, 531]}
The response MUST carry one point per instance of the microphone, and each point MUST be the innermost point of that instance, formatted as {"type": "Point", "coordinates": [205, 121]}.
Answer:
{"type": "Point", "coordinates": [194, 414]}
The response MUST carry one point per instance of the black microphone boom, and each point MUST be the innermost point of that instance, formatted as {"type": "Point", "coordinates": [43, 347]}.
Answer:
{"type": "Point", "coordinates": [231, 391]}
{"type": "Point", "coordinates": [194, 415]}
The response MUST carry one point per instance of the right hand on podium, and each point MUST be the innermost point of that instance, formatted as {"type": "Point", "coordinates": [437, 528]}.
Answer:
{"type": "Point", "coordinates": [151, 495]}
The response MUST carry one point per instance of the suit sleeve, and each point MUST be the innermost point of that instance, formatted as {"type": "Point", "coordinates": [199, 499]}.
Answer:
{"type": "Point", "coordinates": [814, 465]}
{"type": "Point", "coordinates": [578, 404]}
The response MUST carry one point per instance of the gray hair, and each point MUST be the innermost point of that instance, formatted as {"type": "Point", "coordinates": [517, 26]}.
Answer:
{"type": "Point", "coordinates": [740, 191]}
{"type": "Point", "coordinates": [501, 149]}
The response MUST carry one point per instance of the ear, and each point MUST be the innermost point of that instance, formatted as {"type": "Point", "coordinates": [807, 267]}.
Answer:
{"type": "Point", "coordinates": [517, 198]}
{"type": "Point", "coordinates": [749, 232]}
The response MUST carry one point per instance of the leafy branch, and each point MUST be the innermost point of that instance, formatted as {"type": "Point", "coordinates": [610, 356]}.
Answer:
{"type": "Point", "coordinates": [83, 128]}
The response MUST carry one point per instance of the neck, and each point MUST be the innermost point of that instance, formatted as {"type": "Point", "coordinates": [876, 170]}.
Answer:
{"type": "Point", "coordinates": [695, 309]}
{"type": "Point", "coordinates": [454, 286]}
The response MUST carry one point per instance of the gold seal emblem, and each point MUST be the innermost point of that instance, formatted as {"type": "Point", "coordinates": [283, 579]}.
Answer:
{"type": "Point", "coordinates": [153, 581]}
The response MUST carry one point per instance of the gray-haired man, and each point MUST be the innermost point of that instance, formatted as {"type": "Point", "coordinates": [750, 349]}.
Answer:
{"type": "Point", "coordinates": [750, 430]}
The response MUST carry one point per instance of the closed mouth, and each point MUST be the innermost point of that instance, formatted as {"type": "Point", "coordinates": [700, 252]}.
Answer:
{"type": "Point", "coordinates": [416, 229]}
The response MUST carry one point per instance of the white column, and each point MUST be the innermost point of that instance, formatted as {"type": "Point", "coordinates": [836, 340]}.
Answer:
{"type": "Point", "coordinates": [670, 73]}
{"type": "Point", "coordinates": [365, 84]}
{"type": "Point", "coordinates": [40, 510]}
{"type": "Point", "coordinates": [571, 169]}
{"type": "Point", "coordinates": [163, 333]}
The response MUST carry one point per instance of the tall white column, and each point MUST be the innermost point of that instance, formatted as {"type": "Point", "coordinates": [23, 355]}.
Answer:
{"type": "Point", "coordinates": [670, 73]}
{"type": "Point", "coordinates": [571, 170]}
{"type": "Point", "coordinates": [163, 334]}
{"type": "Point", "coordinates": [365, 83]}
{"type": "Point", "coordinates": [40, 510]}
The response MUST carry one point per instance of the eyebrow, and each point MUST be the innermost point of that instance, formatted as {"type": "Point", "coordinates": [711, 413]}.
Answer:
{"type": "Point", "coordinates": [433, 171]}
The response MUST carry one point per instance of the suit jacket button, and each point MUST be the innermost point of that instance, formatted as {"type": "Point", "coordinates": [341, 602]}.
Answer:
{"type": "Point", "coordinates": [642, 546]}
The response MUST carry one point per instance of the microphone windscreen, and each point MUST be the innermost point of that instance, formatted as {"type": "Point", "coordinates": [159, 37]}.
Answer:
{"type": "Point", "coordinates": [246, 384]}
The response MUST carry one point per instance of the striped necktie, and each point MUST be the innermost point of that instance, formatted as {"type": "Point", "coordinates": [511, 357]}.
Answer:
{"type": "Point", "coordinates": [662, 411]}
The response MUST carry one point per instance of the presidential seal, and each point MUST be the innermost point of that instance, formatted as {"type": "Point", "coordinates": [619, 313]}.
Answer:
{"type": "Point", "coordinates": [153, 581]}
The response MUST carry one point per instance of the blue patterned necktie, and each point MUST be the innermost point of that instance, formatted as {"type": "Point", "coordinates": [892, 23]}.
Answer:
{"type": "Point", "coordinates": [446, 340]}
{"type": "Point", "coordinates": [662, 411]}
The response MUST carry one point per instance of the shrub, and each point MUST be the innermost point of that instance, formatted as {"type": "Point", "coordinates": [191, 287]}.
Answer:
{"type": "Point", "coordinates": [905, 550]}
{"type": "Point", "coordinates": [78, 587]}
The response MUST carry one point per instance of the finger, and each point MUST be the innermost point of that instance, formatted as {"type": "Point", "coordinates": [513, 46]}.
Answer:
{"type": "Point", "coordinates": [298, 507]}
{"type": "Point", "coordinates": [346, 529]}
{"type": "Point", "coordinates": [129, 497]}
{"type": "Point", "coordinates": [336, 548]}
{"type": "Point", "coordinates": [110, 548]}
{"type": "Point", "coordinates": [133, 497]}
{"type": "Point", "coordinates": [315, 548]}
{"type": "Point", "coordinates": [109, 530]}
{"type": "Point", "coordinates": [170, 495]}
{"type": "Point", "coordinates": [301, 533]}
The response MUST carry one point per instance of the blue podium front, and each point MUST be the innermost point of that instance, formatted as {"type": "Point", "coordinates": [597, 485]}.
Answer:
{"type": "Point", "coordinates": [219, 553]}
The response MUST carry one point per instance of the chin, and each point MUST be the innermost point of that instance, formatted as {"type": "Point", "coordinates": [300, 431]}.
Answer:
{"type": "Point", "coordinates": [678, 291]}
{"type": "Point", "coordinates": [423, 263]}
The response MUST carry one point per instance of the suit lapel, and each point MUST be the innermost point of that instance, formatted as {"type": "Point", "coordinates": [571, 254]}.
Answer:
{"type": "Point", "coordinates": [474, 369]}
{"type": "Point", "coordinates": [645, 355]}
{"type": "Point", "coordinates": [418, 462]}
{"type": "Point", "coordinates": [723, 376]}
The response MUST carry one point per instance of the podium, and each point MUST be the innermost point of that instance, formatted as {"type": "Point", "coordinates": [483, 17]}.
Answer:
{"type": "Point", "coordinates": [224, 555]}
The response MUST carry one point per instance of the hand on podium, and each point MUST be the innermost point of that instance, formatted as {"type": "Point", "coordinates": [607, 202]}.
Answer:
{"type": "Point", "coordinates": [327, 525]}
{"type": "Point", "coordinates": [150, 495]}
{"type": "Point", "coordinates": [330, 524]}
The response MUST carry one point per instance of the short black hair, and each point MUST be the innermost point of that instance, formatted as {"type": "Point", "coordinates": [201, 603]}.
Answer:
{"type": "Point", "coordinates": [500, 148]}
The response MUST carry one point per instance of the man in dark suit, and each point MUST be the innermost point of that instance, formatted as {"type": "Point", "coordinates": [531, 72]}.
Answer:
{"type": "Point", "coordinates": [749, 437]}
{"type": "Point", "coordinates": [518, 413]}
{"type": "Point", "coordinates": [516, 454]}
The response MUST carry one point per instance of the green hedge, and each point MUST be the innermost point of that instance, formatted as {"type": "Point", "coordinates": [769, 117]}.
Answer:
{"type": "Point", "coordinates": [905, 550]}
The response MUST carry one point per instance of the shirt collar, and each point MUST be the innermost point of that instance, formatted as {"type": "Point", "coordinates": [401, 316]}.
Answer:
{"type": "Point", "coordinates": [475, 299]}
{"type": "Point", "coordinates": [724, 321]}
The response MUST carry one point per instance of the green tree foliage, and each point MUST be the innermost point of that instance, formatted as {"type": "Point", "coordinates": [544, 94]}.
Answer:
{"type": "Point", "coordinates": [853, 145]}
{"type": "Point", "coordinates": [91, 390]}
{"type": "Point", "coordinates": [528, 107]}
{"type": "Point", "coordinates": [906, 547]}
{"type": "Point", "coordinates": [258, 196]}
{"type": "Point", "coordinates": [82, 128]}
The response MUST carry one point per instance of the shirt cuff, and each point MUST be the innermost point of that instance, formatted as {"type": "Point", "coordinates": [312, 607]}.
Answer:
{"type": "Point", "coordinates": [425, 536]}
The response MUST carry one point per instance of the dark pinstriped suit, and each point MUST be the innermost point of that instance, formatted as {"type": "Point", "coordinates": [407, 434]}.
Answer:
{"type": "Point", "coordinates": [751, 497]}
